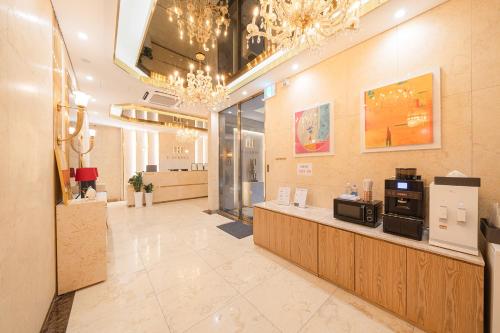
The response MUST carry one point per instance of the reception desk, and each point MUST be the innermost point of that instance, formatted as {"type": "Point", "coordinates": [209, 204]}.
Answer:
{"type": "Point", "coordinates": [174, 185]}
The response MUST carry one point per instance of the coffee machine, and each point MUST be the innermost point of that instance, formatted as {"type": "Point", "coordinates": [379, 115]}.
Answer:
{"type": "Point", "coordinates": [404, 204]}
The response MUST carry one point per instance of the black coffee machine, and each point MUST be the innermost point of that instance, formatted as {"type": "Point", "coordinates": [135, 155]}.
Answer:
{"type": "Point", "coordinates": [404, 204]}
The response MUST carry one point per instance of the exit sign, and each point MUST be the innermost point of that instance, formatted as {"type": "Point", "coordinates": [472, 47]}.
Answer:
{"type": "Point", "coordinates": [269, 91]}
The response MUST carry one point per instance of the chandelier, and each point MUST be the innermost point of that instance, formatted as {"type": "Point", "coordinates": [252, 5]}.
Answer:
{"type": "Point", "coordinates": [200, 88]}
{"type": "Point", "coordinates": [201, 20]}
{"type": "Point", "coordinates": [293, 23]}
{"type": "Point", "coordinates": [186, 135]}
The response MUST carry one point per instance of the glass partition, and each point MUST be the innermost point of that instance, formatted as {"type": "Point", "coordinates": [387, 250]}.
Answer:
{"type": "Point", "coordinates": [252, 154]}
{"type": "Point", "coordinates": [242, 158]}
{"type": "Point", "coordinates": [229, 151]}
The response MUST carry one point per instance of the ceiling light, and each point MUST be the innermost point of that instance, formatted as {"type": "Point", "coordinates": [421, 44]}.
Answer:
{"type": "Point", "coordinates": [300, 23]}
{"type": "Point", "coordinates": [400, 13]}
{"type": "Point", "coordinates": [295, 67]}
{"type": "Point", "coordinates": [202, 20]}
{"type": "Point", "coordinates": [83, 36]}
{"type": "Point", "coordinates": [244, 93]}
{"type": "Point", "coordinates": [89, 78]}
{"type": "Point", "coordinates": [200, 88]}
{"type": "Point", "coordinates": [93, 99]}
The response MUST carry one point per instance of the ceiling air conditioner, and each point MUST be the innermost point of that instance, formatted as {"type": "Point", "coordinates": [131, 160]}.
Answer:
{"type": "Point", "coordinates": [161, 98]}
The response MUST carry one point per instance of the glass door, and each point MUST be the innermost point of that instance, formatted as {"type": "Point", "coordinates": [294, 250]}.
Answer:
{"type": "Point", "coordinates": [229, 157]}
{"type": "Point", "coordinates": [241, 158]}
{"type": "Point", "coordinates": [252, 155]}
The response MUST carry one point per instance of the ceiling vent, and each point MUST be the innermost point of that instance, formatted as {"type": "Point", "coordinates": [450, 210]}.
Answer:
{"type": "Point", "coordinates": [161, 98]}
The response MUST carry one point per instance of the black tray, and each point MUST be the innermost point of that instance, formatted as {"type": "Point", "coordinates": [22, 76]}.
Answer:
{"type": "Point", "coordinates": [491, 234]}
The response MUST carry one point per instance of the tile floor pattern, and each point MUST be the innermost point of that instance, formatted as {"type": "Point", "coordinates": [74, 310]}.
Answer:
{"type": "Point", "coordinates": [171, 270]}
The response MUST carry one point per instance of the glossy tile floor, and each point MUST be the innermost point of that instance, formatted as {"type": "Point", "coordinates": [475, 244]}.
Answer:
{"type": "Point", "coordinates": [171, 270]}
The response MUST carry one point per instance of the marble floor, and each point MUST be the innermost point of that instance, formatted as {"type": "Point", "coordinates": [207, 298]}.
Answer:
{"type": "Point", "coordinates": [171, 270]}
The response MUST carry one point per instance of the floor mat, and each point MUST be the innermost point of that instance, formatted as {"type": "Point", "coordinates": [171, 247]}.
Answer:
{"type": "Point", "coordinates": [237, 229]}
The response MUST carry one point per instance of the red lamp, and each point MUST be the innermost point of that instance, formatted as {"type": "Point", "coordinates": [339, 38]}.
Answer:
{"type": "Point", "coordinates": [86, 174]}
{"type": "Point", "coordinates": [87, 178]}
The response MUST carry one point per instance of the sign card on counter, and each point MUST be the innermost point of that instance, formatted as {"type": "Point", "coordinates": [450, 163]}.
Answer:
{"type": "Point", "coordinates": [300, 197]}
{"type": "Point", "coordinates": [284, 196]}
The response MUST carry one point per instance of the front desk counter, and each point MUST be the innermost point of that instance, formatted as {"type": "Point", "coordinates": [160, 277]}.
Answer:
{"type": "Point", "coordinates": [174, 185]}
{"type": "Point", "coordinates": [436, 289]}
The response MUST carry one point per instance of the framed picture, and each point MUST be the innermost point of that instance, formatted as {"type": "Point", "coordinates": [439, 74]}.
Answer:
{"type": "Point", "coordinates": [64, 175]}
{"type": "Point", "coordinates": [403, 114]}
{"type": "Point", "coordinates": [313, 131]}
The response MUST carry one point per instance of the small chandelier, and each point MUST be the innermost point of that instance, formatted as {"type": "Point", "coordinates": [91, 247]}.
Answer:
{"type": "Point", "coordinates": [202, 20]}
{"type": "Point", "coordinates": [200, 88]}
{"type": "Point", "coordinates": [186, 135]}
{"type": "Point", "coordinates": [293, 23]}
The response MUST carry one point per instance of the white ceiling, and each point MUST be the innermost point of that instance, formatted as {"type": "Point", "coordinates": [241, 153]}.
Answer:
{"type": "Point", "coordinates": [112, 85]}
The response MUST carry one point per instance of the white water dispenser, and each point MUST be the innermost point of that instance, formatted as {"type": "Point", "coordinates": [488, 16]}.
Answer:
{"type": "Point", "coordinates": [453, 213]}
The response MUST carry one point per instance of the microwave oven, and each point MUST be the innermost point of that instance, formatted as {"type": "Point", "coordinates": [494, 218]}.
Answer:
{"type": "Point", "coordinates": [368, 213]}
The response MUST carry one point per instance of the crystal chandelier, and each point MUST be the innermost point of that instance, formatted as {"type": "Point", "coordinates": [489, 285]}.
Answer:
{"type": "Point", "coordinates": [200, 88]}
{"type": "Point", "coordinates": [295, 23]}
{"type": "Point", "coordinates": [201, 20]}
{"type": "Point", "coordinates": [186, 135]}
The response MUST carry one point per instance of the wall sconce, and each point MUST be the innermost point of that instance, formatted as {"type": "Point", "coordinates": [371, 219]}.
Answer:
{"type": "Point", "coordinates": [81, 101]}
{"type": "Point", "coordinates": [92, 133]}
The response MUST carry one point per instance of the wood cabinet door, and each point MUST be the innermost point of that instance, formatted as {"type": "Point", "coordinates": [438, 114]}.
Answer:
{"type": "Point", "coordinates": [279, 235]}
{"type": "Point", "coordinates": [444, 295]}
{"type": "Point", "coordinates": [304, 244]}
{"type": "Point", "coordinates": [336, 256]}
{"type": "Point", "coordinates": [261, 226]}
{"type": "Point", "coordinates": [380, 269]}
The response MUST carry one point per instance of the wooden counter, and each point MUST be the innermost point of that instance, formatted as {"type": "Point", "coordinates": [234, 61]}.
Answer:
{"type": "Point", "coordinates": [435, 289]}
{"type": "Point", "coordinates": [174, 185]}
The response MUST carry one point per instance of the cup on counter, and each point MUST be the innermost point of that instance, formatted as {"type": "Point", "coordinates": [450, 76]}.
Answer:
{"type": "Point", "coordinates": [367, 189]}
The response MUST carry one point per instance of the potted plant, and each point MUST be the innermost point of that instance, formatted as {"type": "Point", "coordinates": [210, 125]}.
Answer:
{"type": "Point", "coordinates": [136, 182]}
{"type": "Point", "coordinates": [149, 194]}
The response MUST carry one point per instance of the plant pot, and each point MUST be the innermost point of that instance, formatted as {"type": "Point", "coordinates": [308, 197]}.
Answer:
{"type": "Point", "coordinates": [149, 199]}
{"type": "Point", "coordinates": [138, 199]}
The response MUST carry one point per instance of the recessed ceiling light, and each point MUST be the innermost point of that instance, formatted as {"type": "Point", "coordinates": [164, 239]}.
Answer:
{"type": "Point", "coordinates": [400, 13]}
{"type": "Point", "coordinates": [83, 36]}
{"type": "Point", "coordinates": [295, 67]}
{"type": "Point", "coordinates": [244, 93]}
{"type": "Point", "coordinates": [93, 99]}
{"type": "Point", "coordinates": [89, 78]}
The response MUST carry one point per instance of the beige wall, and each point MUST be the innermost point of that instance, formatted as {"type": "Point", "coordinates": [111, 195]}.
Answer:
{"type": "Point", "coordinates": [461, 37]}
{"type": "Point", "coordinates": [169, 160]}
{"type": "Point", "coordinates": [108, 158]}
{"type": "Point", "coordinates": [27, 168]}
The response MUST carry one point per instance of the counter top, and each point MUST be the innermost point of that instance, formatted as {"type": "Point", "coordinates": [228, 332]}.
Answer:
{"type": "Point", "coordinates": [325, 216]}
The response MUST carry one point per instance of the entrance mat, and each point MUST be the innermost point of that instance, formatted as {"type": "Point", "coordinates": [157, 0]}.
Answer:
{"type": "Point", "coordinates": [237, 229]}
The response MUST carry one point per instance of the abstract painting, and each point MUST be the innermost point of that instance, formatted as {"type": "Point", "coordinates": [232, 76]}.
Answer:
{"type": "Point", "coordinates": [403, 115]}
{"type": "Point", "coordinates": [313, 133]}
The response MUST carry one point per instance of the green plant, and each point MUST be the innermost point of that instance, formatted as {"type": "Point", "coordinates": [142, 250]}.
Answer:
{"type": "Point", "coordinates": [148, 188]}
{"type": "Point", "coordinates": [136, 181]}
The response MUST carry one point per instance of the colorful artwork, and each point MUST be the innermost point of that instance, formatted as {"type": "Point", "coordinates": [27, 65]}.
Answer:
{"type": "Point", "coordinates": [313, 131]}
{"type": "Point", "coordinates": [400, 115]}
